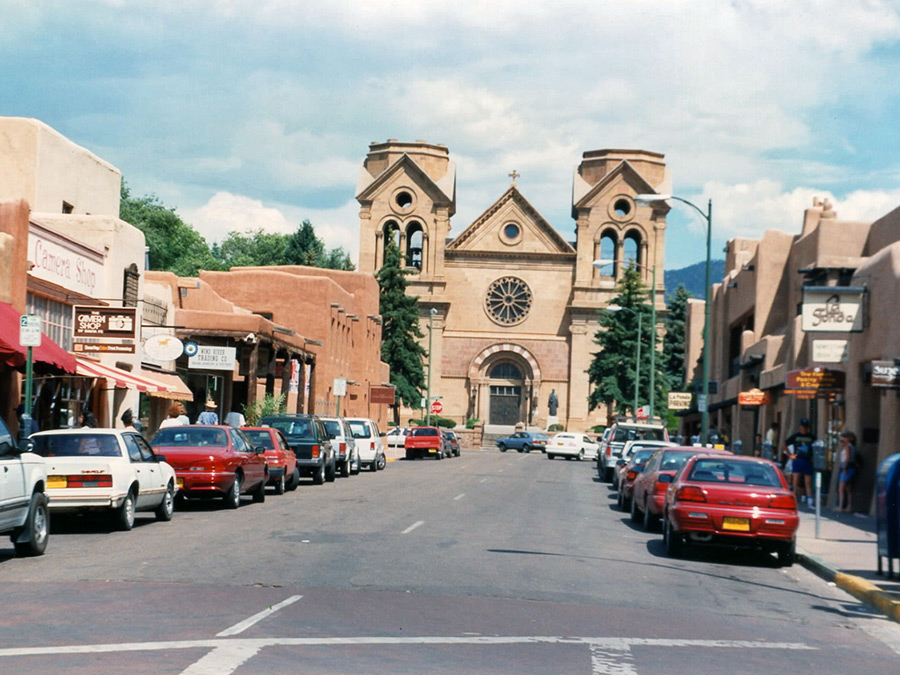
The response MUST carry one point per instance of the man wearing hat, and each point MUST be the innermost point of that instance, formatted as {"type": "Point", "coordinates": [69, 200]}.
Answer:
{"type": "Point", "coordinates": [799, 448]}
{"type": "Point", "coordinates": [208, 416]}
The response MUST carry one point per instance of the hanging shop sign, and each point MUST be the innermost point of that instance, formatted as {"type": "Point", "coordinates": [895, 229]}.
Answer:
{"type": "Point", "coordinates": [104, 329]}
{"type": "Point", "coordinates": [830, 351]}
{"type": "Point", "coordinates": [680, 400]}
{"type": "Point", "coordinates": [885, 374]}
{"type": "Point", "coordinates": [833, 309]}
{"type": "Point", "coordinates": [754, 397]}
{"type": "Point", "coordinates": [814, 382]}
{"type": "Point", "coordinates": [213, 358]}
{"type": "Point", "coordinates": [163, 347]}
{"type": "Point", "coordinates": [381, 394]}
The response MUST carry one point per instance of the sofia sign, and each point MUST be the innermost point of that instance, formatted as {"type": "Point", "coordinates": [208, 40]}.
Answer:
{"type": "Point", "coordinates": [64, 263]}
{"type": "Point", "coordinates": [833, 309]}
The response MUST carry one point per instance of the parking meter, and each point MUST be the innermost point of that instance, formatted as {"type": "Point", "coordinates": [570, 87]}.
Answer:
{"type": "Point", "coordinates": [737, 447]}
{"type": "Point", "coordinates": [818, 456]}
{"type": "Point", "coordinates": [767, 450]}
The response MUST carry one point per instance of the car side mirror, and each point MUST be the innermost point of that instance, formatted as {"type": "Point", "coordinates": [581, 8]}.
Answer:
{"type": "Point", "coordinates": [260, 450]}
{"type": "Point", "coordinates": [7, 448]}
{"type": "Point", "coordinates": [621, 462]}
{"type": "Point", "coordinates": [160, 458]}
{"type": "Point", "coordinates": [665, 478]}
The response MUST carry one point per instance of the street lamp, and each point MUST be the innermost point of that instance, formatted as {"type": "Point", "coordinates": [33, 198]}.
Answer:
{"type": "Point", "coordinates": [431, 314]}
{"type": "Point", "coordinates": [704, 402]}
{"type": "Point", "coordinates": [603, 263]}
{"type": "Point", "coordinates": [637, 356]}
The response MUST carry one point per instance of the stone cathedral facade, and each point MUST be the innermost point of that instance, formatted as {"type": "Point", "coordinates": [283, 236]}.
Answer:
{"type": "Point", "coordinates": [516, 305]}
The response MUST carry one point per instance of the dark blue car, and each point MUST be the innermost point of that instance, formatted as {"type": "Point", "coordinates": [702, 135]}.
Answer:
{"type": "Point", "coordinates": [524, 441]}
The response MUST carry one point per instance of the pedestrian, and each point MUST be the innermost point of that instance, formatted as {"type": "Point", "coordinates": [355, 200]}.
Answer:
{"type": "Point", "coordinates": [182, 414]}
{"type": "Point", "coordinates": [128, 420]}
{"type": "Point", "coordinates": [88, 421]}
{"type": "Point", "coordinates": [173, 420]}
{"type": "Point", "coordinates": [849, 465]}
{"type": "Point", "coordinates": [235, 419]}
{"type": "Point", "coordinates": [209, 416]}
{"type": "Point", "coordinates": [799, 450]}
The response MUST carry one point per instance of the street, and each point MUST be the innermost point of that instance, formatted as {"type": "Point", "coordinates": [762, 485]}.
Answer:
{"type": "Point", "coordinates": [487, 563]}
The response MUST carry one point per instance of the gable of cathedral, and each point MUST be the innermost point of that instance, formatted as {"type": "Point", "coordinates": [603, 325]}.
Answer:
{"type": "Point", "coordinates": [587, 196]}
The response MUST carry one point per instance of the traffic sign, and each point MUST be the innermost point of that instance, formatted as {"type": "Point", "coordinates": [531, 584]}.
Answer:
{"type": "Point", "coordinates": [437, 407]}
{"type": "Point", "coordinates": [29, 330]}
{"type": "Point", "coordinates": [701, 403]}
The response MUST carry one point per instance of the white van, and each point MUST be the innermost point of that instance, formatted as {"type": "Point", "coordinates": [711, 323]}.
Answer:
{"type": "Point", "coordinates": [369, 442]}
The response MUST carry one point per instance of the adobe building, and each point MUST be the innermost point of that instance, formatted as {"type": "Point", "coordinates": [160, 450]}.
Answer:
{"type": "Point", "coordinates": [513, 306]}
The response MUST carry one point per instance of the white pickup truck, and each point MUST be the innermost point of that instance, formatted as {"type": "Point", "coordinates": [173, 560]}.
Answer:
{"type": "Point", "coordinates": [23, 504]}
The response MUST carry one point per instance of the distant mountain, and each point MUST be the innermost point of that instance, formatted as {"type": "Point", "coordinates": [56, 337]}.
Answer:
{"type": "Point", "coordinates": [693, 277]}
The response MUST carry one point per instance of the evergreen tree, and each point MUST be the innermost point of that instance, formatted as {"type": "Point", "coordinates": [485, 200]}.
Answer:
{"type": "Point", "coordinates": [400, 333]}
{"type": "Point", "coordinates": [674, 340]}
{"type": "Point", "coordinates": [304, 247]}
{"type": "Point", "coordinates": [251, 249]}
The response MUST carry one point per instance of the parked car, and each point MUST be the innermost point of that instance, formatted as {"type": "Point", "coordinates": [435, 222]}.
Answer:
{"type": "Point", "coordinates": [627, 472]}
{"type": "Point", "coordinates": [425, 442]}
{"type": "Point", "coordinates": [524, 441]}
{"type": "Point", "coordinates": [453, 441]}
{"type": "Point", "coordinates": [24, 513]}
{"type": "Point", "coordinates": [107, 470]}
{"type": "Point", "coordinates": [649, 488]}
{"type": "Point", "coordinates": [346, 456]}
{"type": "Point", "coordinates": [369, 442]}
{"type": "Point", "coordinates": [282, 462]}
{"type": "Point", "coordinates": [571, 445]}
{"type": "Point", "coordinates": [309, 440]}
{"type": "Point", "coordinates": [628, 450]}
{"type": "Point", "coordinates": [619, 433]}
{"type": "Point", "coordinates": [396, 437]}
{"type": "Point", "coordinates": [213, 461]}
{"type": "Point", "coordinates": [731, 501]}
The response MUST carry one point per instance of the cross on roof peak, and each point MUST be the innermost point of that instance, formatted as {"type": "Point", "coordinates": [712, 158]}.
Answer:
{"type": "Point", "coordinates": [515, 174]}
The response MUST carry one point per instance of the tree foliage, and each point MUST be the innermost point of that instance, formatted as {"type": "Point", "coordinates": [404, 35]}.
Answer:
{"type": "Point", "coordinates": [674, 340]}
{"type": "Point", "coordinates": [400, 333]}
{"type": "Point", "coordinates": [612, 370]}
{"type": "Point", "coordinates": [251, 249]}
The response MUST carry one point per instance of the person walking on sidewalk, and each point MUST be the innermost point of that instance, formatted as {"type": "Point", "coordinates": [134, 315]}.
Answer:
{"type": "Point", "coordinates": [799, 450]}
{"type": "Point", "coordinates": [849, 466]}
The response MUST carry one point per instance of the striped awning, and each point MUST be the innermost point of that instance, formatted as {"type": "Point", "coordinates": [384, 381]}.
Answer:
{"type": "Point", "coordinates": [121, 379]}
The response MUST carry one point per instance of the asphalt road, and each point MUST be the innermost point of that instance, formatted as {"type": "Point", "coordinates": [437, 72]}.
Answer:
{"type": "Point", "coordinates": [488, 563]}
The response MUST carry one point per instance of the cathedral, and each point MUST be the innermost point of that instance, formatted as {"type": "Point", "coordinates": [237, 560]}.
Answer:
{"type": "Point", "coordinates": [511, 304]}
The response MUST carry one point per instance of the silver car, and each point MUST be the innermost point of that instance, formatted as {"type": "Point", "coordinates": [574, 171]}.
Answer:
{"type": "Point", "coordinates": [346, 454]}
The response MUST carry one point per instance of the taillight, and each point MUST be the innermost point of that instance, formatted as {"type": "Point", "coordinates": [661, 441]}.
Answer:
{"type": "Point", "coordinates": [315, 451]}
{"type": "Point", "coordinates": [88, 481]}
{"type": "Point", "coordinates": [608, 451]}
{"type": "Point", "coordinates": [690, 493]}
{"type": "Point", "coordinates": [631, 475]}
{"type": "Point", "coordinates": [661, 488]}
{"type": "Point", "coordinates": [343, 448]}
{"type": "Point", "coordinates": [372, 445]}
{"type": "Point", "coordinates": [783, 502]}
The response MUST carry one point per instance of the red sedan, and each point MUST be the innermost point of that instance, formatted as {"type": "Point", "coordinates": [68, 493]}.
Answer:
{"type": "Point", "coordinates": [627, 472]}
{"type": "Point", "coordinates": [283, 471]}
{"type": "Point", "coordinates": [649, 490]}
{"type": "Point", "coordinates": [731, 501]}
{"type": "Point", "coordinates": [214, 461]}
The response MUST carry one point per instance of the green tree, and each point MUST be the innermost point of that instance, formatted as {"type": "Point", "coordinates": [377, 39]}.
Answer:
{"type": "Point", "coordinates": [338, 259]}
{"type": "Point", "coordinates": [674, 340]}
{"type": "Point", "coordinates": [611, 373]}
{"type": "Point", "coordinates": [174, 245]}
{"type": "Point", "coordinates": [304, 247]}
{"type": "Point", "coordinates": [251, 249]}
{"type": "Point", "coordinates": [400, 333]}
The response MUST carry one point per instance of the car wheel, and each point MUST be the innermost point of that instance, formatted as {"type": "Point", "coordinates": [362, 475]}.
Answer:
{"type": "Point", "coordinates": [580, 455]}
{"type": "Point", "coordinates": [634, 510]}
{"type": "Point", "coordinates": [520, 449]}
{"type": "Point", "coordinates": [409, 456]}
{"type": "Point", "coordinates": [380, 463]}
{"type": "Point", "coordinates": [167, 506]}
{"type": "Point", "coordinates": [295, 480]}
{"type": "Point", "coordinates": [345, 468]}
{"type": "Point", "coordinates": [649, 519]}
{"type": "Point", "coordinates": [608, 475]}
{"type": "Point", "coordinates": [330, 471]}
{"type": "Point", "coordinates": [319, 475]}
{"type": "Point", "coordinates": [620, 501]}
{"type": "Point", "coordinates": [550, 455]}
{"type": "Point", "coordinates": [280, 486]}
{"type": "Point", "coordinates": [36, 529]}
{"type": "Point", "coordinates": [674, 542]}
{"type": "Point", "coordinates": [124, 515]}
{"type": "Point", "coordinates": [259, 494]}
{"type": "Point", "coordinates": [439, 455]}
{"type": "Point", "coordinates": [233, 498]}
{"type": "Point", "coordinates": [355, 467]}
{"type": "Point", "coordinates": [786, 554]}
{"type": "Point", "coordinates": [501, 447]}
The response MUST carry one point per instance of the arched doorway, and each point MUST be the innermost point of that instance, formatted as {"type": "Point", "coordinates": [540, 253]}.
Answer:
{"type": "Point", "coordinates": [503, 381]}
{"type": "Point", "coordinates": [506, 387]}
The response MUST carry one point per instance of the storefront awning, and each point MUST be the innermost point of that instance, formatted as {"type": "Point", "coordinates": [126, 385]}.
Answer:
{"type": "Point", "coordinates": [177, 389]}
{"type": "Point", "coordinates": [123, 379]}
{"type": "Point", "coordinates": [48, 356]}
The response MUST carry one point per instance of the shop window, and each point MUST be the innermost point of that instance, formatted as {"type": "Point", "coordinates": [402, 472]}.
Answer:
{"type": "Point", "coordinates": [56, 319]}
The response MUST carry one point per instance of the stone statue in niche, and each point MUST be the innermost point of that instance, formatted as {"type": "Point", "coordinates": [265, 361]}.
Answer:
{"type": "Point", "coordinates": [553, 403]}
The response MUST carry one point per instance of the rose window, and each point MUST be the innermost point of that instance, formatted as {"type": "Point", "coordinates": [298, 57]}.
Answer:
{"type": "Point", "coordinates": [508, 301]}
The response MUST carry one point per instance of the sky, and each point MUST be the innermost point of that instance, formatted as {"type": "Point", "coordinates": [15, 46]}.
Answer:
{"type": "Point", "coordinates": [245, 114]}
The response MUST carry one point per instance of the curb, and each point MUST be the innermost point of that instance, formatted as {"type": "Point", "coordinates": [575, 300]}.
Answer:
{"type": "Point", "coordinates": [856, 586]}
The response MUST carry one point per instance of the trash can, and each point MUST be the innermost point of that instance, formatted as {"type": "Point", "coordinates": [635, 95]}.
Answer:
{"type": "Point", "coordinates": [887, 491]}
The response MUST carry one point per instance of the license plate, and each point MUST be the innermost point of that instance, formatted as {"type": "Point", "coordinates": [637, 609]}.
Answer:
{"type": "Point", "coordinates": [736, 524]}
{"type": "Point", "coordinates": [432, 450]}
{"type": "Point", "coordinates": [180, 482]}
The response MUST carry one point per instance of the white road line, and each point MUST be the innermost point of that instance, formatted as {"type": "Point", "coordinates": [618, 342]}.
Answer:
{"type": "Point", "coordinates": [224, 659]}
{"type": "Point", "coordinates": [483, 480]}
{"type": "Point", "coordinates": [413, 526]}
{"type": "Point", "coordinates": [459, 496]}
{"type": "Point", "coordinates": [238, 628]}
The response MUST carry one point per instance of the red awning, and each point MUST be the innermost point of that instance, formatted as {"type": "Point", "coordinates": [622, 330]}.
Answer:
{"type": "Point", "coordinates": [119, 378]}
{"type": "Point", "coordinates": [49, 355]}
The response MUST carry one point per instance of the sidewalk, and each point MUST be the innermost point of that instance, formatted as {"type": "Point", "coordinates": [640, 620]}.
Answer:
{"type": "Point", "coordinates": [846, 553]}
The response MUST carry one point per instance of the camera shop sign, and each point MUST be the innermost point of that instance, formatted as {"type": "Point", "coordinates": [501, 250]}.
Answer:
{"type": "Point", "coordinates": [833, 309]}
{"type": "Point", "coordinates": [885, 374]}
{"type": "Point", "coordinates": [111, 330]}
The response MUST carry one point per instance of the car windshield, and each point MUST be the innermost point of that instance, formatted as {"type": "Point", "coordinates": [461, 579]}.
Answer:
{"type": "Point", "coordinates": [632, 434]}
{"type": "Point", "coordinates": [259, 437]}
{"type": "Point", "coordinates": [333, 427]}
{"type": "Point", "coordinates": [734, 471]}
{"type": "Point", "coordinates": [359, 430]}
{"type": "Point", "coordinates": [641, 456]}
{"type": "Point", "coordinates": [300, 427]}
{"type": "Point", "coordinates": [186, 436]}
{"type": "Point", "coordinates": [672, 461]}
{"type": "Point", "coordinates": [424, 431]}
{"type": "Point", "coordinates": [77, 445]}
